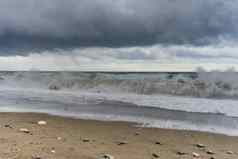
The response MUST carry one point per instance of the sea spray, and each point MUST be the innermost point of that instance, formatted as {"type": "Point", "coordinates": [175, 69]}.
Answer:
{"type": "Point", "coordinates": [198, 84]}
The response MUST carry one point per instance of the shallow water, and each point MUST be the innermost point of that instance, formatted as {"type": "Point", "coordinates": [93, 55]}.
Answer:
{"type": "Point", "coordinates": [92, 106]}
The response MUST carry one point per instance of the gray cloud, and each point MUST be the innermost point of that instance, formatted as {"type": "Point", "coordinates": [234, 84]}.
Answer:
{"type": "Point", "coordinates": [33, 24]}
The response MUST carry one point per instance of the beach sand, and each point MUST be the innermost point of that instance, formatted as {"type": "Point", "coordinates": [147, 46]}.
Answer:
{"type": "Point", "coordinates": [65, 138]}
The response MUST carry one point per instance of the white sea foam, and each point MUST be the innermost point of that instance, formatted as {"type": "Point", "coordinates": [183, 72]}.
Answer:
{"type": "Point", "coordinates": [139, 121]}
{"type": "Point", "coordinates": [188, 104]}
{"type": "Point", "coordinates": [88, 95]}
{"type": "Point", "coordinates": [162, 90]}
{"type": "Point", "coordinates": [202, 84]}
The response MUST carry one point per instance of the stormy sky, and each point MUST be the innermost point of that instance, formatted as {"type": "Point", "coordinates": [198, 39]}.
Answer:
{"type": "Point", "coordinates": [128, 34]}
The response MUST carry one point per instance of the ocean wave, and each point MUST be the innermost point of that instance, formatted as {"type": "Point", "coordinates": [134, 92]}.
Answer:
{"type": "Point", "coordinates": [227, 107]}
{"type": "Point", "coordinates": [193, 101]}
{"type": "Point", "coordinates": [161, 111]}
{"type": "Point", "coordinates": [200, 84]}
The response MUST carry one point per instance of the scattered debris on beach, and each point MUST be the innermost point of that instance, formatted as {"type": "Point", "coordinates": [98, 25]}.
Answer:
{"type": "Point", "coordinates": [200, 145]}
{"type": "Point", "coordinates": [196, 154]}
{"type": "Point", "coordinates": [86, 140]}
{"type": "Point", "coordinates": [158, 143]}
{"type": "Point", "coordinates": [210, 152]}
{"type": "Point", "coordinates": [59, 138]}
{"type": "Point", "coordinates": [155, 155]}
{"type": "Point", "coordinates": [8, 126]}
{"type": "Point", "coordinates": [49, 142]}
{"type": "Point", "coordinates": [24, 130]}
{"type": "Point", "coordinates": [36, 157]}
{"type": "Point", "coordinates": [41, 122]}
{"type": "Point", "coordinates": [230, 152]}
{"type": "Point", "coordinates": [181, 153]}
{"type": "Point", "coordinates": [106, 156]}
{"type": "Point", "coordinates": [122, 143]}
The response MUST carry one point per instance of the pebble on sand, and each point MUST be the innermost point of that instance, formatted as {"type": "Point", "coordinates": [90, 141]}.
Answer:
{"type": "Point", "coordinates": [106, 156]}
{"type": "Point", "coordinates": [181, 153]}
{"type": "Point", "coordinates": [155, 155]}
{"type": "Point", "coordinates": [36, 157]}
{"type": "Point", "coordinates": [121, 143]}
{"type": "Point", "coordinates": [86, 140]}
{"type": "Point", "coordinates": [196, 154]}
{"type": "Point", "coordinates": [8, 126]}
{"type": "Point", "coordinates": [24, 130]}
{"type": "Point", "coordinates": [230, 152]}
{"type": "Point", "coordinates": [158, 143]}
{"type": "Point", "coordinates": [200, 145]}
{"type": "Point", "coordinates": [42, 122]}
{"type": "Point", "coordinates": [210, 152]}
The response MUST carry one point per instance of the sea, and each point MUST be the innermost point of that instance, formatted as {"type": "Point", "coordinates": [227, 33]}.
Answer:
{"type": "Point", "coordinates": [197, 101]}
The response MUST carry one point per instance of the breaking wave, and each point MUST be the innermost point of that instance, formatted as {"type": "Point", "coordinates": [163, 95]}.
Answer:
{"type": "Point", "coordinates": [201, 92]}
{"type": "Point", "coordinates": [164, 100]}
{"type": "Point", "coordinates": [200, 84]}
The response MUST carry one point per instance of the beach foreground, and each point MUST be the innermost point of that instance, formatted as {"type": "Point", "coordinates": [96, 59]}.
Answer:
{"type": "Point", "coordinates": [65, 138]}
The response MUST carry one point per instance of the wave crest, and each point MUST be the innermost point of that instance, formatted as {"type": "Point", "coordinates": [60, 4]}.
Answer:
{"type": "Point", "coordinates": [200, 84]}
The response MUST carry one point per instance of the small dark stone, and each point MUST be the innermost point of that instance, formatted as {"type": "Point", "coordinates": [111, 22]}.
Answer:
{"type": "Point", "coordinates": [181, 153]}
{"type": "Point", "coordinates": [122, 143]}
{"type": "Point", "coordinates": [158, 143]}
{"type": "Point", "coordinates": [200, 145]}
{"type": "Point", "coordinates": [155, 155]}
{"type": "Point", "coordinates": [107, 156]}
{"type": "Point", "coordinates": [86, 140]}
{"type": "Point", "coordinates": [36, 157]}
{"type": "Point", "coordinates": [230, 152]}
{"type": "Point", "coordinates": [196, 154]}
{"type": "Point", "coordinates": [8, 126]}
{"type": "Point", "coordinates": [24, 130]}
{"type": "Point", "coordinates": [210, 152]}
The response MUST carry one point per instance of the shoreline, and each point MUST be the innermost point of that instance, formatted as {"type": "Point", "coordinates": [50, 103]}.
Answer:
{"type": "Point", "coordinates": [64, 137]}
{"type": "Point", "coordinates": [135, 125]}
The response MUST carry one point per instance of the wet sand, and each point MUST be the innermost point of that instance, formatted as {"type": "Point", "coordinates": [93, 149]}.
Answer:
{"type": "Point", "coordinates": [65, 138]}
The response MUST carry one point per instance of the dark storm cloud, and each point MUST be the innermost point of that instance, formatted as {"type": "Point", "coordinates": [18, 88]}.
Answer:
{"type": "Point", "coordinates": [49, 24]}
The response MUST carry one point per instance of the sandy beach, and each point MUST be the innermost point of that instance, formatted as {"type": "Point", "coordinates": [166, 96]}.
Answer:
{"type": "Point", "coordinates": [65, 138]}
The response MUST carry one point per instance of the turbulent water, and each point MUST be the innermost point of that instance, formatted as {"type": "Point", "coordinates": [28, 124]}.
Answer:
{"type": "Point", "coordinates": [208, 85]}
{"type": "Point", "coordinates": [195, 101]}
